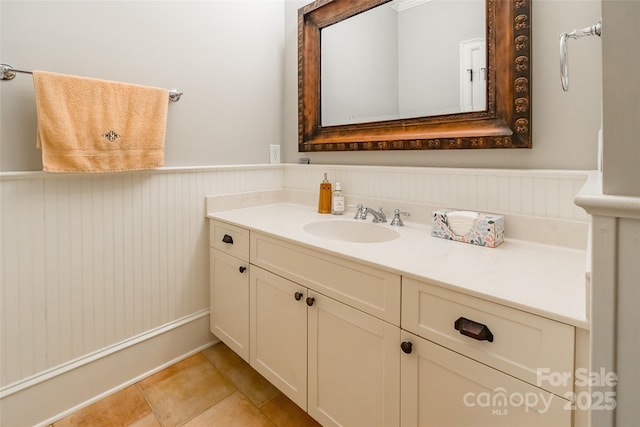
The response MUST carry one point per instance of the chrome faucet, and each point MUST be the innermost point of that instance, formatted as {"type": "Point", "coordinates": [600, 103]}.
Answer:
{"type": "Point", "coordinates": [378, 216]}
{"type": "Point", "coordinates": [362, 212]}
{"type": "Point", "coordinates": [397, 221]}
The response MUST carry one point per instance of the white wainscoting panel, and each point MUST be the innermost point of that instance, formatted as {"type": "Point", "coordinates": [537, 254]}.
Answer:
{"type": "Point", "coordinates": [91, 260]}
{"type": "Point", "coordinates": [535, 193]}
{"type": "Point", "coordinates": [23, 333]}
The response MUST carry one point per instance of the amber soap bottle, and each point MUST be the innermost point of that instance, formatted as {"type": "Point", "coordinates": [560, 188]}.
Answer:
{"type": "Point", "coordinates": [324, 199]}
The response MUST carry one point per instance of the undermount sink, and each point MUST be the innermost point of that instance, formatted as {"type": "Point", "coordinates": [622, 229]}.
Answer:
{"type": "Point", "coordinates": [351, 231]}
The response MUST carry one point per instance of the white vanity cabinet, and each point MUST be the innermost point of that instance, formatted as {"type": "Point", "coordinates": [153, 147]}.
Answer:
{"type": "Point", "coordinates": [340, 363]}
{"type": "Point", "coordinates": [229, 286]}
{"type": "Point", "coordinates": [471, 362]}
{"type": "Point", "coordinates": [354, 366]}
{"type": "Point", "coordinates": [336, 362]}
{"type": "Point", "coordinates": [443, 388]}
{"type": "Point", "coordinates": [278, 343]}
{"type": "Point", "coordinates": [357, 345]}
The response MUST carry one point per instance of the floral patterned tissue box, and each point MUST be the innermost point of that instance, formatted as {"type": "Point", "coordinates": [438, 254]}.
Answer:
{"type": "Point", "coordinates": [479, 228]}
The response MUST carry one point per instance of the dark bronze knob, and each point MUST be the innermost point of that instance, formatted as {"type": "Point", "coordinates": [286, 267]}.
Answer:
{"type": "Point", "coordinates": [298, 296]}
{"type": "Point", "coordinates": [242, 269]}
{"type": "Point", "coordinates": [227, 239]}
{"type": "Point", "coordinates": [310, 301]}
{"type": "Point", "coordinates": [407, 347]}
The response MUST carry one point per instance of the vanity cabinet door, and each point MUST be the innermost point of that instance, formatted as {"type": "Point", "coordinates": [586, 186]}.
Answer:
{"type": "Point", "coordinates": [229, 301]}
{"type": "Point", "coordinates": [443, 388]}
{"type": "Point", "coordinates": [354, 366]}
{"type": "Point", "coordinates": [520, 344]}
{"type": "Point", "coordinates": [279, 333]}
{"type": "Point", "coordinates": [361, 286]}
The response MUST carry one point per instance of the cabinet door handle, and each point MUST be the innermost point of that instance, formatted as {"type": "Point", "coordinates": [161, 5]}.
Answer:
{"type": "Point", "coordinates": [298, 296]}
{"type": "Point", "coordinates": [242, 269]}
{"type": "Point", "coordinates": [407, 347]}
{"type": "Point", "coordinates": [227, 239]}
{"type": "Point", "coordinates": [472, 329]}
{"type": "Point", "coordinates": [310, 301]}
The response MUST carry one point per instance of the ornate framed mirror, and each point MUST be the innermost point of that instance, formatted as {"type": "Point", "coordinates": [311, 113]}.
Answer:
{"type": "Point", "coordinates": [501, 120]}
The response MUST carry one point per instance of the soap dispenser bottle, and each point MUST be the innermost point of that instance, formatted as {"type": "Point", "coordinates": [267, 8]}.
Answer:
{"type": "Point", "coordinates": [324, 199]}
{"type": "Point", "coordinates": [337, 200]}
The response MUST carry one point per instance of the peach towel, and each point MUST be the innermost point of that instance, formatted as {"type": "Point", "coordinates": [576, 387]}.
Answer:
{"type": "Point", "coordinates": [92, 125]}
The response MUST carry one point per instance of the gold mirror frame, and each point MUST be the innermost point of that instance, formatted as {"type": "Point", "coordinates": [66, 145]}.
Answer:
{"type": "Point", "coordinates": [506, 123]}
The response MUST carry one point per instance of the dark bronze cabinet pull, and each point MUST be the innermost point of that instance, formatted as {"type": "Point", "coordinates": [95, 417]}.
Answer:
{"type": "Point", "coordinates": [298, 296]}
{"type": "Point", "coordinates": [407, 347]}
{"type": "Point", "coordinates": [472, 329]}
{"type": "Point", "coordinates": [242, 269]}
{"type": "Point", "coordinates": [227, 239]}
{"type": "Point", "coordinates": [310, 301]}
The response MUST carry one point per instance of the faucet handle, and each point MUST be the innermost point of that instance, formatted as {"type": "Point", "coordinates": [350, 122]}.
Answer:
{"type": "Point", "coordinates": [361, 212]}
{"type": "Point", "coordinates": [397, 221]}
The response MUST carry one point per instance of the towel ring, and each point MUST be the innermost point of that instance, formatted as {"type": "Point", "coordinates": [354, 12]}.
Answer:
{"type": "Point", "coordinates": [564, 54]}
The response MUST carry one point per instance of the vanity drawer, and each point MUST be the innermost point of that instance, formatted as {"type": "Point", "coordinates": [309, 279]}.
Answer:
{"type": "Point", "coordinates": [229, 239]}
{"type": "Point", "coordinates": [365, 288]}
{"type": "Point", "coordinates": [522, 343]}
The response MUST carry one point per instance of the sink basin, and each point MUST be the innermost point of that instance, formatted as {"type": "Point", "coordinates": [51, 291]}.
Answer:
{"type": "Point", "coordinates": [351, 231]}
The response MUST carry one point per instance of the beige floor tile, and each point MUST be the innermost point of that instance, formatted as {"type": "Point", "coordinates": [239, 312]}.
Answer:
{"type": "Point", "coordinates": [123, 408]}
{"type": "Point", "coordinates": [186, 390]}
{"type": "Point", "coordinates": [284, 413]}
{"type": "Point", "coordinates": [148, 421]}
{"type": "Point", "coordinates": [253, 385]}
{"type": "Point", "coordinates": [235, 411]}
{"type": "Point", "coordinates": [212, 388]}
{"type": "Point", "coordinates": [191, 361]}
{"type": "Point", "coordinates": [222, 356]}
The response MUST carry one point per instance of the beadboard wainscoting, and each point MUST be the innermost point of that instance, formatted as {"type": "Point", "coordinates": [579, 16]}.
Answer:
{"type": "Point", "coordinates": [90, 262]}
{"type": "Point", "coordinates": [538, 205]}
{"type": "Point", "coordinates": [107, 267]}
{"type": "Point", "coordinates": [539, 193]}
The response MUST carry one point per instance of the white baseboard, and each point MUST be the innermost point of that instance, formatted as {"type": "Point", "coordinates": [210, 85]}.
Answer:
{"type": "Point", "coordinates": [61, 391]}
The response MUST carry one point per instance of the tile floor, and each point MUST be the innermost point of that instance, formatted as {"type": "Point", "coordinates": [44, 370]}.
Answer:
{"type": "Point", "coordinates": [212, 388]}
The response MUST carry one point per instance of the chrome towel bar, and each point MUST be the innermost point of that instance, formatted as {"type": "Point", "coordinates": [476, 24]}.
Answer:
{"type": "Point", "coordinates": [7, 72]}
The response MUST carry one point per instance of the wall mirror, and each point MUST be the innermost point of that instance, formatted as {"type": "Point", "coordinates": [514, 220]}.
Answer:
{"type": "Point", "coordinates": [414, 74]}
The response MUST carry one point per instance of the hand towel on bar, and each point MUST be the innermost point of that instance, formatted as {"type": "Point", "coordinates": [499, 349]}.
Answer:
{"type": "Point", "coordinates": [92, 125]}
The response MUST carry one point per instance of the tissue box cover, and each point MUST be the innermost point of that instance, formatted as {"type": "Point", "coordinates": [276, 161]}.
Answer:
{"type": "Point", "coordinates": [488, 229]}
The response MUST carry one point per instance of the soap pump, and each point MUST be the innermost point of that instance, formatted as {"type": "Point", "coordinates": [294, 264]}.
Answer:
{"type": "Point", "coordinates": [337, 200]}
{"type": "Point", "coordinates": [324, 199]}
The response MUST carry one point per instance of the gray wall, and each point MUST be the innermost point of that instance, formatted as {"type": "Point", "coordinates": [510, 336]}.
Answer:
{"type": "Point", "coordinates": [621, 176]}
{"type": "Point", "coordinates": [621, 40]}
{"type": "Point", "coordinates": [225, 55]}
{"type": "Point", "coordinates": [430, 54]}
{"type": "Point", "coordinates": [360, 68]}
{"type": "Point", "coordinates": [565, 125]}
{"type": "Point", "coordinates": [383, 64]}
{"type": "Point", "coordinates": [241, 93]}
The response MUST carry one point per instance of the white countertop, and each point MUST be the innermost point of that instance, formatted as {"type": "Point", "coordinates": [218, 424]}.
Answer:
{"type": "Point", "coordinates": [541, 279]}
